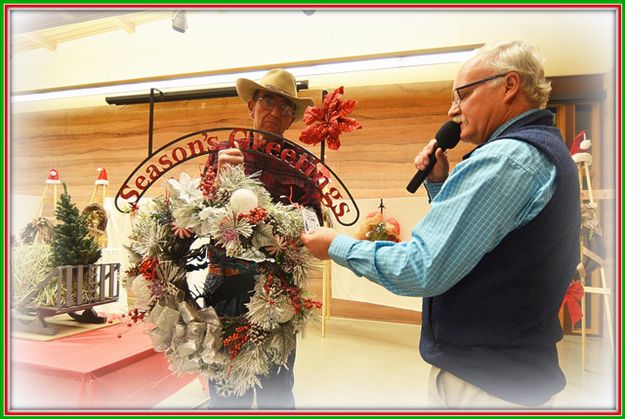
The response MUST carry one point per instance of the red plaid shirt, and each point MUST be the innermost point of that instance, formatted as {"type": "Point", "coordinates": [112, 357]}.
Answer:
{"type": "Point", "coordinates": [284, 183]}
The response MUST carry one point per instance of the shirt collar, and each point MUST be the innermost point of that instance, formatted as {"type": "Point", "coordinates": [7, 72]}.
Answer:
{"type": "Point", "coordinates": [511, 121]}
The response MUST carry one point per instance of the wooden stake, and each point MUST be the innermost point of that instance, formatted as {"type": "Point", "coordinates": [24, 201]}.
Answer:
{"type": "Point", "coordinates": [43, 200]}
{"type": "Point", "coordinates": [55, 198]}
{"type": "Point", "coordinates": [93, 194]}
{"type": "Point", "coordinates": [584, 174]}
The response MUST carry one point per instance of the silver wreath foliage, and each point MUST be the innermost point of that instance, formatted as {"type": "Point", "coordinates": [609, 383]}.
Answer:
{"type": "Point", "coordinates": [193, 337]}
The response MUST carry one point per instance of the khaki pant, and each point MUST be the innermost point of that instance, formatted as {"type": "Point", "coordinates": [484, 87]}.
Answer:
{"type": "Point", "coordinates": [448, 391]}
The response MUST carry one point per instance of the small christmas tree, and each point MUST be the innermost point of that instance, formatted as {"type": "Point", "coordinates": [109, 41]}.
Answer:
{"type": "Point", "coordinates": [71, 243]}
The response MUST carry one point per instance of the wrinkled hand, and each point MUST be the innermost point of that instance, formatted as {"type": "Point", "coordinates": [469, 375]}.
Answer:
{"type": "Point", "coordinates": [229, 156]}
{"type": "Point", "coordinates": [441, 168]}
{"type": "Point", "coordinates": [318, 241]}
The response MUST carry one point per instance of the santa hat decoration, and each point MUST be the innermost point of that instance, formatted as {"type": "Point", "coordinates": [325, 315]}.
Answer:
{"type": "Point", "coordinates": [53, 177]}
{"type": "Point", "coordinates": [103, 177]}
{"type": "Point", "coordinates": [580, 149]}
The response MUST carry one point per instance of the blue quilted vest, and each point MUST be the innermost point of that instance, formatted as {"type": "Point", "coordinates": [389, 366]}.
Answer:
{"type": "Point", "coordinates": [497, 328]}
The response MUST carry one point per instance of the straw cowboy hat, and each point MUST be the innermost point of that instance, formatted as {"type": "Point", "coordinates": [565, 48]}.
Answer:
{"type": "Point", "coordinates": [276, 81]}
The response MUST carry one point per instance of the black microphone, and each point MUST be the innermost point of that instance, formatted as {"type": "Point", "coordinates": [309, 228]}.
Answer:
{"type": "Point", "coordinates": [447, 137]}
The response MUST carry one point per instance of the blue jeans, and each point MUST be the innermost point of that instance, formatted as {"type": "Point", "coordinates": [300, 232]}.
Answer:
{"type": "Point", "coordinates": [276, 390]}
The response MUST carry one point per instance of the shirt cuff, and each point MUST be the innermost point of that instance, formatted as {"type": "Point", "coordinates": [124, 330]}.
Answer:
{"type": "Point", "coordinates": [433, 188]}
{"type": "Point", "coordinates": [340, 247]}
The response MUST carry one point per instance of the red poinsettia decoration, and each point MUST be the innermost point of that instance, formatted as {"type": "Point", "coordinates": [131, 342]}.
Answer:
{"type": "Point", "coordinates": [329, 121]}
{"type": "Point", "coordinates": [572, 299]}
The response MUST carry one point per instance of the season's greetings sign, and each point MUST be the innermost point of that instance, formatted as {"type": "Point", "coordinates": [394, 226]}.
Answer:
{"type": "Point", "coordinates": [335, 196]}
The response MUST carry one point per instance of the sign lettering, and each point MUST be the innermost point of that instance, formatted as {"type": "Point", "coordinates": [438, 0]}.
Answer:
{"type": "Point", "coordinates": [207, 142]}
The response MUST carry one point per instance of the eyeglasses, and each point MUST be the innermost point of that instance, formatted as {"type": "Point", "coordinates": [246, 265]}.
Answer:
{"type": "Point", "coordinates": [457, 96]}
{"type": "Point", "coordinates": [269, 102]}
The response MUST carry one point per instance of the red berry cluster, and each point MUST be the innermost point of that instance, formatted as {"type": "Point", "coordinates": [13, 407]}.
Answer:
{"type": "Point", "coordinates": [293, 293]}
{"type": "Point", "coordinates": [235, 341]}
{"type": "Point", "coordinates": [147, 268]}
{"type": "Point", "coordinates": [135, 316]}
{"type": "Point", "coordinates": [255, 216]}
{"type": "Point", "coordinates": [310, 303]}
{"type": "Point", "coordinates": [268, 283]}
{"type": "Point", "coordinates": [207, 184]}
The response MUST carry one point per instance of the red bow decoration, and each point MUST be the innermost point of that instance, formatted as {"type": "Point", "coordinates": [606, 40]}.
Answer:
{"type": "Point", "coordinates": [329, 121]}
{"type": "Point", "coordinates": [572, 299]}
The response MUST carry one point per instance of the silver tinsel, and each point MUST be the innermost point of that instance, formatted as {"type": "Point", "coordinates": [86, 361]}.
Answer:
{"type": "Point", "coordinates": [190, 337]}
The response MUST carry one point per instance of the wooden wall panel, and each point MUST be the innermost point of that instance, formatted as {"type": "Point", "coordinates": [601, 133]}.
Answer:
{"type": "Point", "coordinates": [374, 162]}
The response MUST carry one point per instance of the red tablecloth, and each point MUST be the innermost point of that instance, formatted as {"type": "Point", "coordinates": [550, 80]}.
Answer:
{"type": "Point", "coordinates": [91, 370]}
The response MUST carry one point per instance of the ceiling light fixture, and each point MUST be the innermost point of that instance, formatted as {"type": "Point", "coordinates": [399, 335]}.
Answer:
{"type": "Point", "coordinates": [353, 64]}
{"type": "Point", "coordinates": [185, 95]}
{"type": "Point", "coordinates": [179, 21]}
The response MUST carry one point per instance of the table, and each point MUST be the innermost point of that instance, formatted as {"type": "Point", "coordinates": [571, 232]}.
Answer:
{"type": "Point", "coordinates": [92, 370]}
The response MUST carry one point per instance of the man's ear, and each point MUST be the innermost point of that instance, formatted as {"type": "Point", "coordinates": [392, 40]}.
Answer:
{"type": "Point", "coordinates": [250, 107]}
{"type": "Point", "coordinates": [290, 123]}
{"type": "Point", "coordinates": [512, 85]}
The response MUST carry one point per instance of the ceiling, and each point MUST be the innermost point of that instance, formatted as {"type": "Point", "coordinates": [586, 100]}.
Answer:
{"type": "Point", "coordinates": [61, 48]}
{"type": "Point", "coordinates": [35, 20]}
{"type": "Point", "coordinates": [47, 29]}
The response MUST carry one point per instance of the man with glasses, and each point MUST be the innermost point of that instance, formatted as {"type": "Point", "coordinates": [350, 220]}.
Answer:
{"type": "Point", "coordinates": [273, 105]}
{"type": "Point", "coordinates": [496, 252]}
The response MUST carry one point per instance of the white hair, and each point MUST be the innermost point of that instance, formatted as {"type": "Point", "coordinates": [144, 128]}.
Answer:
{"type": "Point", "coordinates": [522, 58]}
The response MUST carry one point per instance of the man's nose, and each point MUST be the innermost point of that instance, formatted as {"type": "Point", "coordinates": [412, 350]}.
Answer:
{"type": "Point", "coordinates": [276, 110]}
{"type": "Point", "coordinates": [454, 110]}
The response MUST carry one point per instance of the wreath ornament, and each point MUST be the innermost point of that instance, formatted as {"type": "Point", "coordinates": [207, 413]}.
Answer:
{"type": "Point", "coordinates": [232, 218]}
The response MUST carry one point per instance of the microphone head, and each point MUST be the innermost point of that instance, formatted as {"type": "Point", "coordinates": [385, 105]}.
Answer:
{"type": "Point", "coordinates": [448, 135]}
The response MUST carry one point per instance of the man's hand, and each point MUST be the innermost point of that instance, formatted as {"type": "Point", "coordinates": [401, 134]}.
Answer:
{"type": "Point", "coordinates": [441, 168]}
{"type": "Point", "coordinates": [229, 156]}
{"type": "Point", "coordinates": [318, 241]}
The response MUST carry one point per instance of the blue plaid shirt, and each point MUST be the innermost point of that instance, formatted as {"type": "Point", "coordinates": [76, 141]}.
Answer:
{"type": "Point", "coordinates": [502, 187]}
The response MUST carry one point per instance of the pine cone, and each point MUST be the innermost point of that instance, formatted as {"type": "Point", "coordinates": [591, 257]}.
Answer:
{"type": "Point", "coordinates": [257, 335]}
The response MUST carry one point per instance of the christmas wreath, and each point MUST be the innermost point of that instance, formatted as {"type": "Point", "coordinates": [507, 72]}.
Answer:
{"type": "Point", "coordinates": [233, 219]}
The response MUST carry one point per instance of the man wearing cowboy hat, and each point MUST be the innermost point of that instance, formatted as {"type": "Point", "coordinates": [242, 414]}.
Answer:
{"type": "Point", "coordinates": [277, 86]}
{"type": "Point", "coordinates": [273, 105]}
